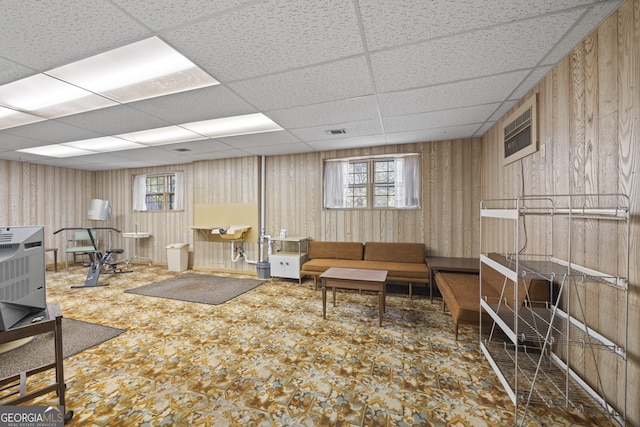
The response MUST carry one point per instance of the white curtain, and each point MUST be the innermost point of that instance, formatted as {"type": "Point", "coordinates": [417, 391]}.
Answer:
{"type": "Point", "coordinates": [140, 192]}
{"type": "Point", "coordinates": [407, 182]}
{"type": "Point", "coordinates": [178, 201]}
{"type": "Point", "coordinates": [335, 184]}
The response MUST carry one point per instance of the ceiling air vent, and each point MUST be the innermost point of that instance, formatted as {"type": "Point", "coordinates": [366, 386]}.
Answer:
{"type": "Point", "coordinates": [520, 136]}
{"type": "Point", "coordinates": [336, 131]}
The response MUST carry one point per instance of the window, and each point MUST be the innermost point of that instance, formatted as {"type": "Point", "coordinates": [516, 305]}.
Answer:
{"type": "Point", "coordinates": [158, 192]}
{"type": "Point", "coordinates": [389, 182]}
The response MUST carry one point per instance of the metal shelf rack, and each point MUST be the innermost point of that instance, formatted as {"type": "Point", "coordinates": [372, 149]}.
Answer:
{"type": "Point", "coordinates": [539, 349]}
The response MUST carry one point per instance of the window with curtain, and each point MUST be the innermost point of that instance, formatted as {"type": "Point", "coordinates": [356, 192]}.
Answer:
{"type": "Point", "coordinates": [388, 182]}
{"type": "Point", "coordinates": [158, 192]}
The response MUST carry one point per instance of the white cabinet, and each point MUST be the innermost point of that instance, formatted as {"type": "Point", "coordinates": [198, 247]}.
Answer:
{"type": "Point", "coordinates": [558, 353]}
{"type": "Point", "coordinates": [288, 255]}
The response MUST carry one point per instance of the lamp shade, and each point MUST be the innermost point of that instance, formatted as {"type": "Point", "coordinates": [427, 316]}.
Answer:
{"type": "Point", "coordinates": [98, 210]}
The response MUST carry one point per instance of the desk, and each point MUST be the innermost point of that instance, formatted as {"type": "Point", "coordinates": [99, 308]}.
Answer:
{"type": "Point", "coordinates": [354, 278]}
{"type": "Point", "coordinates": [137, 236]}
{"type": "Point", "coordinates": [460, 265]}
{"type": "Point", "coordinates": [55, 257]}
{"type": "Point", "coordinates": [52, 322]}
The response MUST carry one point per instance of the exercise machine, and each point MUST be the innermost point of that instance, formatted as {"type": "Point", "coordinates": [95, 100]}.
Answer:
{"type": "Point", "coordinates": [98, 260]}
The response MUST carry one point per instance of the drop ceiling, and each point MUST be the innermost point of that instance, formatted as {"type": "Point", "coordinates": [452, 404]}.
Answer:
{"type": "Point", "coordinates": [385, 71]}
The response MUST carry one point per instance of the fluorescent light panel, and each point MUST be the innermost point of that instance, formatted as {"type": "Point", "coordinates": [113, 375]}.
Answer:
{"type": "Point", "coordinates": [56, 150]}
{"type": "Point", "coordinates": [103, 145]}
{"type": "Point", "coordinates": [233, 126]}
{"type": "Point", "coordinates": [10, 118]}
{"type": "Point", "coordinates": [141, 70]}
{"type": "Point", "coordinates": [162, 136]}
{"type": "Point", "coordinates": [215, 128]}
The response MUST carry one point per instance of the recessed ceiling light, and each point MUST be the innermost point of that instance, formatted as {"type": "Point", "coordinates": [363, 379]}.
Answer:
{"type": "Point", "coordinates": [56, 150]}
{"type": "Point", "coordinates": [215, 128]}
{"type": "Point", "coordinates": [161, 136]}
{"type": "Point", "coordinates": [11, 118]}
{"type": "Point", "coordinates": [236, 125]}
{"type": "Point", "coordinates": [48, 97]}
{"type": "Point", "coordinates": [103, 145]}
{"type": "Point", "coordinates": [141, 70]}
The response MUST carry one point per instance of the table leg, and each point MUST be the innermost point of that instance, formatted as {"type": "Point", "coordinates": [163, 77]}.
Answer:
{"type": "Point", "coordinates": [324, 301]}
{"type": "Point", "coordinates": [431, 278]}
{"type": "Point", "coordinates": [380, 305]}
{"type": "Point", "coordinates": [334, 296]}
{"type": "Point", "coordinates": [384, 297]}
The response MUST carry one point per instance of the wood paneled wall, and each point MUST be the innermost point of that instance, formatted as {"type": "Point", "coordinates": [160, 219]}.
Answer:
{"type": "Point", "coordinates": [447, 221]}
{"type": "Point", "coordinates": [44, 195]}
{"type": "Point", "coordinates": [589, 118]}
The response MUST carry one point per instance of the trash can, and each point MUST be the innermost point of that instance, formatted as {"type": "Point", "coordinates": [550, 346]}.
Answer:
{"type": "Point", "coordinates": [263, 269]}
{"type": "Point", "coordinates": [178, 256]}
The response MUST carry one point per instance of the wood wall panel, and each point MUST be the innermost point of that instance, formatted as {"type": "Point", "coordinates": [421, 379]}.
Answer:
{"type": "Point", "coordinates": [589, 108]}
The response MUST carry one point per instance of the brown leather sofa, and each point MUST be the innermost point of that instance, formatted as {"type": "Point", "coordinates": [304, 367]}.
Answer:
{"type": "Point", "coordinates": [461, 293]}
{"type": "Point", "coordinates": [404, 262]}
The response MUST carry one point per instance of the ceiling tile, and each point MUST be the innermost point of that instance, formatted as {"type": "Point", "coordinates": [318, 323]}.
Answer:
{"type": "Point", "coordinates": [114, 120]}
{"type": "Point", "coordinates": [10, 71]}
{"type": "Point", "coordinates": [345, 110]}
{"type": "Point", "coordinates": [15, 142]}
{"type": "Point", "coordinates": [259, 139]}
{"type": "Point", "coordinates": [353, 129]}
{"type": "Point", "coordinates": [196, 105]}
{"type": "Point", "coordinates": [195, 147]}
{"type": "Point", "coordinates": [393, 23]}
{"type": "Point", "coordinates": [436, 134]}
{"type": "Point", "coordinates": [277, 150]}
{"type": "Point", "coordinates": [438, 119]}
{"type": "Point", "coordinates": [579, 32]}
{"type": "Point", "coordinates": [328, 82]}
{"type": "Point", "coordinates": [346, 143]}
{"type": "Point", "coordinates": [479, 53]}
{"type": "Point", "coordinates": [282, 35]}
{"type": "Point", "coordinates": [49, 37]}
{"type": "Point", "coordinates": [52, 132]}
{"type": "Point", "coordinates": [161, 14]}
{"type": "Point", "coordinates": [450, 95]}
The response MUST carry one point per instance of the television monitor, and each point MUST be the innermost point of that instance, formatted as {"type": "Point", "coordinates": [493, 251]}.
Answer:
{"type": "Point", "coordinates": [22, 273]}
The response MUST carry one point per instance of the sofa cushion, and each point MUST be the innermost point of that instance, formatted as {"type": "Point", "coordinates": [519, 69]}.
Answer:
{"type": "Point", "coordinates": [406, 270]}
{"type": "Point", "coordinates": [320, 265]}
{"type": "Point", "coordinates": [335, 250]}
{"type": "Point", "coordinates": [395, 252]}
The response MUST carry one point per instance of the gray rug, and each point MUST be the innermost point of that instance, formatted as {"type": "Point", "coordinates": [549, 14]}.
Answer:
{"type": "Point", "coordinates": [77, 336]}
{"type": "Point", "coordinates": [200, 288]}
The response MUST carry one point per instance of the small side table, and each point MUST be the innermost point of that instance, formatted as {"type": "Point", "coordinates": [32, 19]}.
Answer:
{"type": "Point", "coordinates": [136, 235]}
{"type": "Point", "coordinates": [51, 322]}
{"type": "Point", "coordinates": [55, 257]}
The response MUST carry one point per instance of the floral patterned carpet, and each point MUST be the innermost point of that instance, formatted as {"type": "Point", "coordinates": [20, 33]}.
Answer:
{"type": "Point", "coordinates": [268, 358]}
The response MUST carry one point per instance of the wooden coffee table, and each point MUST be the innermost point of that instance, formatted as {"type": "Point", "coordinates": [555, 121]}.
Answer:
{"type": "Point", "coordinates": [354, 278]}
